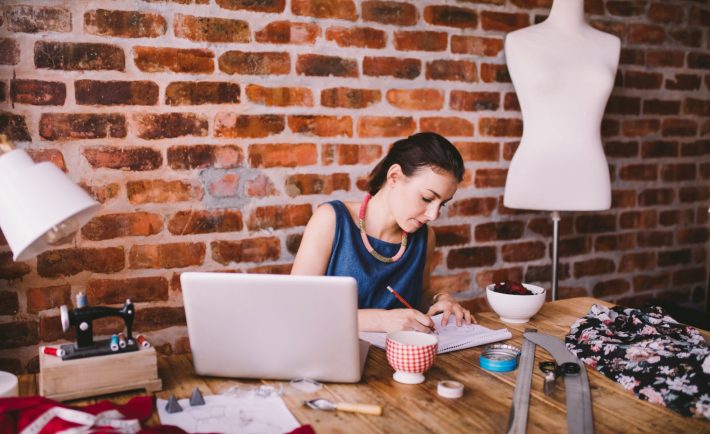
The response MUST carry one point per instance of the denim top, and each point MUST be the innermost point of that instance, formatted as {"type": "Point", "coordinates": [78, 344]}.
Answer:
{"type": "Point", "coordinates": [349, 257]}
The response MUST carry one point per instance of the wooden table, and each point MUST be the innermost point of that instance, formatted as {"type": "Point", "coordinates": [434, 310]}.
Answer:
{"type": "Point", "coordinates": [417, 408]}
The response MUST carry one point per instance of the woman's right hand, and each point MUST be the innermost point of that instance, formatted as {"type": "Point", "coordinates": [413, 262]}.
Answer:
{"type": "Point", "coordinates": [405, 319]}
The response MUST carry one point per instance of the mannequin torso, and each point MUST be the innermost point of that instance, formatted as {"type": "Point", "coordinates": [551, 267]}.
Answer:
{"type": "Point", "coordinates": [563, 71]}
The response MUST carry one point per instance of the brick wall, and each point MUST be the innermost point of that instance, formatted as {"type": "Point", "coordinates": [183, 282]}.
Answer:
{"type": "Point", "coordinates": [210, 129]}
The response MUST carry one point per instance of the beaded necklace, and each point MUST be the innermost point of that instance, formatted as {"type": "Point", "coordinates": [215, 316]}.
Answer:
{"type": "Point", "coordinates": [366, 242]}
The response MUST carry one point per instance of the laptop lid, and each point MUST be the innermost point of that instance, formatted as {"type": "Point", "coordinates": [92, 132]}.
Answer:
{"type": "Point", "coordinates": [273, 326]}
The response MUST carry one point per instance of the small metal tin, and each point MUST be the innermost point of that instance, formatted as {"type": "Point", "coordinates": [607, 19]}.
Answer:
{"type": "Point", "coordinates": [499, 358]}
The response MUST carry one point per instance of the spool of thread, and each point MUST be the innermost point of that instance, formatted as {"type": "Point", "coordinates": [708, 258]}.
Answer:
{"type": "Point", "coordinates": [114, 343]}
{"type": "Point", "coordinates": [143, 342]}
{"type": "Point", "coordinates": [52, 351]}
{"type": "Point", "coordinates": [121, 340]}
{"type": "Point", "coordinates": [450, 389]}
{"type": "Point", "coordinates": [81, 300]}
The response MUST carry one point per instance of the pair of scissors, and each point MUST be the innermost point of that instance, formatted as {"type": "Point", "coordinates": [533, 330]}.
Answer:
{"type": "Point", "coordinates": [552, 370]}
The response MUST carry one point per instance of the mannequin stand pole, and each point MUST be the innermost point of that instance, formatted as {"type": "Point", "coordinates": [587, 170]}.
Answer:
{"type": "Point", "coordinates": [555, 253]}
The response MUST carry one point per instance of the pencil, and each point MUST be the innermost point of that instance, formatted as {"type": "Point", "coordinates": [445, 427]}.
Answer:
{"type": "Point", "coordinates": [404, 302]}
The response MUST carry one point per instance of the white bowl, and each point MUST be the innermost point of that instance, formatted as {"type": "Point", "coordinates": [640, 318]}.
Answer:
{"type": "Point", "coordinates": [516, 309]}
{"type": "Point", "coordinates": [8, 385]}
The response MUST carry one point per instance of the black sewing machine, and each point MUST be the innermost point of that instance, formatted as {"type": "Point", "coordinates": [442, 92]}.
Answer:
{"type": "Point", "coordinates": [82, 316]}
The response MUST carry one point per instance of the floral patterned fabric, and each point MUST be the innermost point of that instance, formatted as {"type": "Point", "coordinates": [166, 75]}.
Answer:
{"type": "Point", "coordinates": [648, 353]}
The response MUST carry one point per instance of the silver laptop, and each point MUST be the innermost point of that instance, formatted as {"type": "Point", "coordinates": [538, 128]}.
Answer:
{"type": "Point", "coordinates": [273, 326]}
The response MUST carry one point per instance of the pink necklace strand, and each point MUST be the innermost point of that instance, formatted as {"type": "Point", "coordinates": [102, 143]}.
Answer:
{"type": "Point", "coordinates": [366, 242]}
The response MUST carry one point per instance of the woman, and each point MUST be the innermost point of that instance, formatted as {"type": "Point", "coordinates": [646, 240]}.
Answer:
{"type": "Point", "coordinates": [385, 241]}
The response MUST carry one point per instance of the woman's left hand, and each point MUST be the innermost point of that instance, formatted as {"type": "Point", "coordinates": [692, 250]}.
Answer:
{"type": "Point", "coordinates": [448, 305]}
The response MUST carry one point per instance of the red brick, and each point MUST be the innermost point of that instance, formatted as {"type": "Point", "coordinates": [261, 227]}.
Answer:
{"type": "Point", "coordinates": [611, 243]}
{"type": "Point", "coordinates": [69, 56]}
{"type": "Point", "coordinates": [654, 239]}
{"type": "Point", "coordinates": [452, 235]}
{"type": "Point", "coordinates": [260, 186]}
{"type": "Point", "coordinates": [210, 29]}
{"type": "Point", "coordinates": [530, 4]}
{"type": "Point", "coordinates": [595, 223]}
{"type": "Point", "coordinates": [479, 206]}
{"type": "Point", "coordinates": [174, 255]}
{"type": "Point", "coordinates": [91, 92]}
{"type": "Point", "coordinates": [665, 13]}
{"type": "Point", "coordinates": [494, 73]}
{"type": "Point", "coordinates": [278, 217]}
{"type": "Point", "coordinates": [543, 226]}
{"type": "Point", "coordinates": [159, 191]}
{"type": "Point", "coordinates": [699, 60]}
{"type": "Point", "coordinates": [198, 93]}
{"type": "Point", "coordinates": [407, 69]}
{"type": "Point", "coordinates": [124, 24]}
{"type": "Point", "coordinates": [674, 257]}
{"type": "Point", "coordinates": [156, 318]}
{"type": "Point", "coordinates": [692, 235]}
{"type": "Point", "coordinates": [500, 127]}
{"type": "Point", "coordinates": [468, 257]}
{"type": "Point", "coordinates": [347, 154]}
{"type": "Point", "coordinates": [133, 158]}
{"type": "Point", "coordinates": [271, 269]}
{"type": "Point", "coordinates": [573, 246]}
{"type": "Point", "coordinates": [644, 282]}
{"type": "Point", "coordinates": [665, 58]}
{"type": "Point", "coordinates": [9, 51]}
{"type": "Point", "coordinates": [640, 33]}
{"type": "Point", "coordinates": [490, 178]}
{"type": "Point", "coordinates": [447, 126]}
{"type": "Point", "coordinates": [225, 185]}
{"type": "Point", "coordinates": [679, 128]}
{"type": "Point", "coordinates": [362, 37]}
{"type": "Point", "coordinates": [416, 99]}
{"type": "Point", "coordinates": [455, 283]}
{"type": "Point", "coordinates": [503, 21]}
{"type": "Point", "coordinates": [640, 127]}
{"type": "Point", "coordinates": [697, 107]}
{"type": "Point", "coordinates": [420, 40]}
{"type": "Point", "coordinates": [205, 222]}
{"type": "Point", "coordinates": [642, 80]}
{"type": "Point", "coordinates": [593, 267]}
{"type": "Point", "coordinates": [523, 252]}
{"type": "Point", "coordinates": [102, 193]}
{"type": "Point", "coordinates": [18, 334]}
{"type": "Point", "coordinates": [349, 98]}
{"type": "Point", "coordinates": [321, 126]}
{"type": "Point", "coordinates": [661, 107]}
{"type": "Point", "coordinates": [170, 125]}
{"type": "Point", "coordinates": [375, 126]}
{"type": "Point", "coordinates": [659, 149]}
{"type": "Point", "coordinates": [293, 242]}
{"type": "Point", "coordinates": [639, 172]}
{"type": "Point", "coordinates": [486, 277]}
{"type": "Point", "coordinates": [451, 16]}
{"type": "Point", "coordinates": [37, 92]}
{"type": "Point", "coordinates": [75, 126]}
{"type": "Point", "coordinates": [499, 231]}
{"type": "Point", "coordinates": [109, 226]}
{"type": "Point", "coordinates": [451, 70]}
{"type": "Point", "coordinates": [623, 198]}
{"type": "Point", "coordinates": [323, 66]}
{"type": "Point", "coordinates": [478, 151]}
{"type": "Point", "coordinates": [255, 63]}
{"type": "Point", "coordinates": [304, 184]}
{"type": "Point", "coordinates": [690, 276]}
{"type": "Point", "coordinates": [68, 262]}
{"type": "Point", "coordinates": [687, 37]}
{"type": "Point", "coordinates": [610, 128]}
{"type": "Point", "coordinates": [476, 45]}
{"type": "Point", "coordinates": [51, 155]}
{"type": "Point", "coordinates": [625, 105]}
{"type": "Point", "coordinates": [610, 287]}
{"type": "Point", "coordinates": [336, 9]}
{"type": "Point", "coordinates": [474, 101]}
{"type": "Point", "coordinates": [248, 250]}
{"type": "Point", "coordinates": [283, 155]}
{"type": "Point", "coordinates": [156, 59]}
{"type": "Point", "coordinates": [614, 27]}
{"type": "Point", "coordinates": [683, 82]}
{"type": "Point", "coordinates": [676, 217]}
{"type": "Point", "coordinates": [621, 149]}
{"type": "Point", "coordinates": [656, 196]}
{"type": "Point", "coordinates": [39, 299]}
{"type": "Point", "coordinates": [116, 291]}
{"type": "Point", "coordinates": [9, 303]}
{"type": "Point", "coordinates": [273, 6]}
{"type": "Point", "coordinates": [280, 96]}
{"type": "Point", "coordinates": [678, 172]}
{"type": "Point", "coordinates": [694, 194]}
{"type": "Point", "coordinates": [630, 56]}
{"type": "Point", "coordinates": [31, 19]}
{"type": "Point", "coordinates": [543, 273]}
{"type": "Point", "coordinates": [228, 124]}
{"type": "Point", "coordinates": [204, 156]}
{"type": "Point", "coordinates": [286, 32]}
{"type": "Point", "coordinates": [390, 12]}
{"type": "Point", "coordinates": [625, 8]}
{"type": "Point", "coordinates": [638, 219]}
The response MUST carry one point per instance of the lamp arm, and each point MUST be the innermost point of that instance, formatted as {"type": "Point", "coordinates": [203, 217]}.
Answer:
{"type": "Point", "coordinates": [5, 144]}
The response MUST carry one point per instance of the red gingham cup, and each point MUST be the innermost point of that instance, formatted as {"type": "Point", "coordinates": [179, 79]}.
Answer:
{"type": "Point", "coordinates": [411, 353]}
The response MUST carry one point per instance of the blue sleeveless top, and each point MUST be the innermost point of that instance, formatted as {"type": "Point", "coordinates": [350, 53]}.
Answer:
{"type": "Point", "coordinates": [349, 257]}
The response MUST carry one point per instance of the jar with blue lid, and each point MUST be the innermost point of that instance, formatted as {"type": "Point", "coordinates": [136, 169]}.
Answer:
{"type": "Point", "coordinates": [499, 358]}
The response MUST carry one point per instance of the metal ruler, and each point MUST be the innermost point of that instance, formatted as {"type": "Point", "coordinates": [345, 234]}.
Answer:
{"type": "Point", "coordinates": [577, 393]}
{"type": "Point", "coordinates": [518, 420]}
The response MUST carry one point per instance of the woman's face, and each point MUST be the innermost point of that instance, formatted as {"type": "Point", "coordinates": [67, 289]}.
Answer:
{"type": "Point", "coordinates": [418, 199]}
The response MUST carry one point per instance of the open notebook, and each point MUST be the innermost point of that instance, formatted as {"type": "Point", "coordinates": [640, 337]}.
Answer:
{"type": "Point", "coordinates": [451, 338]}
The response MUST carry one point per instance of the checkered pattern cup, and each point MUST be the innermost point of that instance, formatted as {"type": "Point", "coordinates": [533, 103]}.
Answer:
{"type": "Point", "coordinates": [411, 353]}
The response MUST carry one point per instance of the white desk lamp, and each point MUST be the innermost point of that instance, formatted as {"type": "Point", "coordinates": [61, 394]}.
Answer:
{"type": "Point", "coordinates": [39, 205]}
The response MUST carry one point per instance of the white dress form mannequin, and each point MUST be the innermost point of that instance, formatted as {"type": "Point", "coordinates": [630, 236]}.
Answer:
{"type": "Point", "coordinates": [563, 72]}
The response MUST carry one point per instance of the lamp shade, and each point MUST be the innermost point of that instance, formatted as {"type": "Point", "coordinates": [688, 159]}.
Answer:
{"type": "Point", "coordinates": [39, 204]}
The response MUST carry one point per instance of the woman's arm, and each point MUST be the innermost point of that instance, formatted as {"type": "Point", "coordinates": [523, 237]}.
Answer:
{"type": "Point", "coordinates": [316, 244]}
